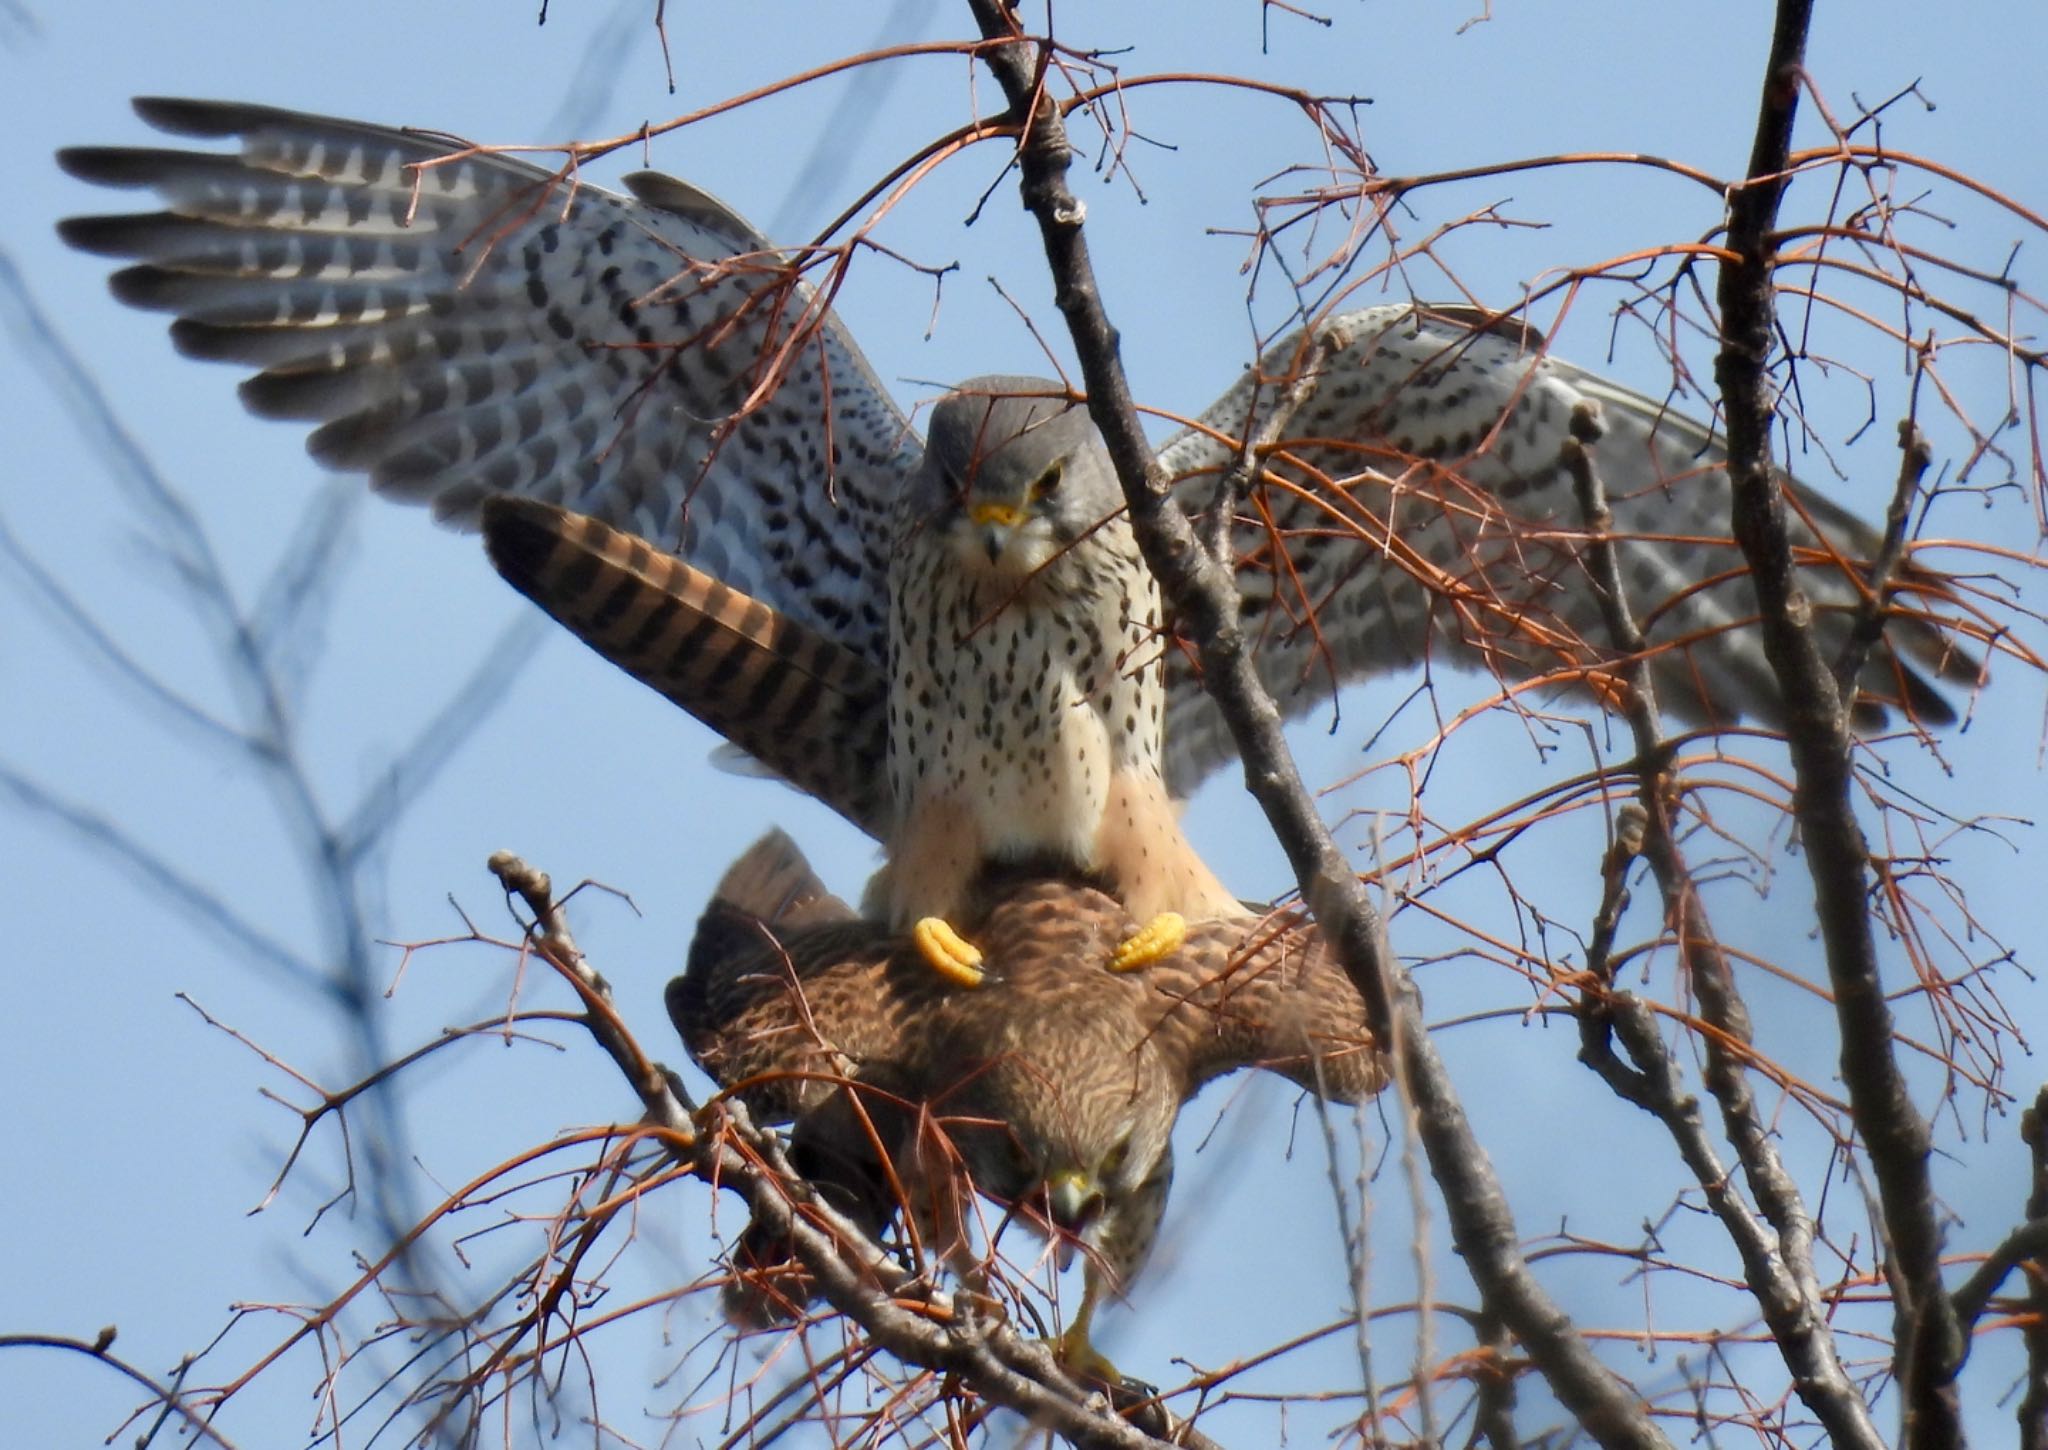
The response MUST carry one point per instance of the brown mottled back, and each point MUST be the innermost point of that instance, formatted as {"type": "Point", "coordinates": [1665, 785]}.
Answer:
{"type": "Point", "coordinates": [1054, 1064]}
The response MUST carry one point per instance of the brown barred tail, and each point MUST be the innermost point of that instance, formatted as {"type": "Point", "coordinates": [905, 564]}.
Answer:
{"type": "Point", "coordinates": [810, 710]}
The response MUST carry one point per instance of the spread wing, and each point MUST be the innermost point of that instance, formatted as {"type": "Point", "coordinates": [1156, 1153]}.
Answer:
{"type": "Point", "coordinates": [482, 327]}
{"type": "Point", "coordinates": [1424, 512]}
{"type": "Point", "coordinates": [1266, 993]}
{"type": "Point", "coordinates": [783, 977]}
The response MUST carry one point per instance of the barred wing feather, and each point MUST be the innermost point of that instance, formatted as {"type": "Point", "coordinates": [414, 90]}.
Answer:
{"type": "Point", "coordinates": [480, 327]}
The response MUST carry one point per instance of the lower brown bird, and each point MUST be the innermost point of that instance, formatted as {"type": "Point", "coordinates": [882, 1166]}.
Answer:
{"type": "Point", "coordinates": [1053, 1091]}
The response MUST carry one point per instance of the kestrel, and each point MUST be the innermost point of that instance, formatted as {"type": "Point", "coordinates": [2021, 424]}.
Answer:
{"type": "Point", "coordinates": [1052, 1090]}
{"type": "Point", "coordinates": [466, 327]}
{"type": "Point", "coordinates": [1027, 677]}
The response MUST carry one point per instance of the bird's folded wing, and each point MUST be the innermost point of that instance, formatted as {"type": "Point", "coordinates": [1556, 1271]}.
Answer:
{"type": "Point", "coordinates": [1417, 506]}
{"type": "Point", "coordinates": [461, 328]}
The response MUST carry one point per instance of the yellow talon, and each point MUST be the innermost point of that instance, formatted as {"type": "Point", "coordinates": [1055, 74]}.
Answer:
{"type": "Point", "coordinates": [1160, 937]}
{"type": "Point", "coordinates": [948, 953]}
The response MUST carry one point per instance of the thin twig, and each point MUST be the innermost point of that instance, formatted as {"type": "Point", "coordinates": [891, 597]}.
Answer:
{"type": "Point", "coordinates": [1777, 1264]}
{"type": "Point", "coordinates": [1915, 454]}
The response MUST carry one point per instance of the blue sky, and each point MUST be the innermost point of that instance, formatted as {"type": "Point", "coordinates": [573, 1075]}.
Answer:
{"type": "Point", "coordinates": [136, 1138]}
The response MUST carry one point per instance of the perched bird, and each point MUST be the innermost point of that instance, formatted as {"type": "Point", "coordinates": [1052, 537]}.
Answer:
{"type": "Point", "coordinates": [1054, 1091]}
{"type": "Point", "coordinates": [1027, 677]}
{"type": "Point", "coordinates": [466, 327]}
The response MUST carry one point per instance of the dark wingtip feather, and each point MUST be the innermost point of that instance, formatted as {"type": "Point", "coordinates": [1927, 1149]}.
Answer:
{"type": "Point", "coordinates": [1925, 704]}
{"type": "Point", "coordinates": [1919, 650]}
{"type": "Point", "coordinates": [181, 116]}
{"type": "Point", "coordinates": [145, 286]}
{"type": "Point", "coordinates": [115, 165]}
{"type": "Point", "coordinates": [315, 394]}
{"type": "Point", "coordinates": [206, 341]}
{"type": "Point", "coordinates": [111, 236]}
{"type": "Point", "coordinates": [349, 442]}
{"type": "Point", "coordinates": [1890, 686]}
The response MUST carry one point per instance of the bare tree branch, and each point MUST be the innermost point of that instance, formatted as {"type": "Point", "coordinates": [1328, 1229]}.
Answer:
{"type": "Point", "coordinates": [2033, 1406]}
{"type": "Point", "coordinates": [1928, 1343]}
{"type": "Point", "coordinates": [1201, 592]}
{"type": "Point", "coordinates": [896, 1311]}
{"type": "Point", "coordinates": [1777, 1264]}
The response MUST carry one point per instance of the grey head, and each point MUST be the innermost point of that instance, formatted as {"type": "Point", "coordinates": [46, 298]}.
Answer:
{"type": "Point", "coordinates": [1014, 475]}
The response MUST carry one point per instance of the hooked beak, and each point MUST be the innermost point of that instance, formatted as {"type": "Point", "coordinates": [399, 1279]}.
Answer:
{"type": "Point", "coordinates": [1074, 1198]}
{"type": "Point", "coordinates": [1075, 1202]}
{"type": "Point", "coordinates": [996, 521]}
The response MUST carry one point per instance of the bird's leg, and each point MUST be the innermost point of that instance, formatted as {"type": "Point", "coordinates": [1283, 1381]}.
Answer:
{"type": "Point", "coordinates": [1075, 1351]}
{"type": "Point", "coordinates": [1159, 937]}
{"type": "Point", "coordinates": [1158, 874]}
{"type": "Point", "coordinates": [947, 952]}
{"type": "Point", "coordinates": [933, 860]}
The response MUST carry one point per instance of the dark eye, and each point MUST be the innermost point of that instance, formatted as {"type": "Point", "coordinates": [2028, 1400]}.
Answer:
{"type": "Point", "coordinates": [1050, 479]}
